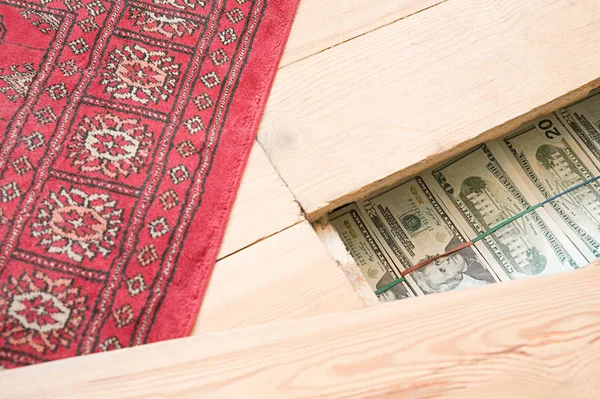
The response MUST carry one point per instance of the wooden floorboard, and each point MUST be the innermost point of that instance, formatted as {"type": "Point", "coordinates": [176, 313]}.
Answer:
{"type": "Point", "coordinates": [368, 93]}
{"type": "Point", "coordinates": [535, 338]}
{"type": "Point", "coordinates": [321, 24]}
{"type": "Point", "coordinates": [287, 276]}
{"type": "Point", "coordinates": [398, 99]}
{"type": "Point", "coordinates": [263, 206]}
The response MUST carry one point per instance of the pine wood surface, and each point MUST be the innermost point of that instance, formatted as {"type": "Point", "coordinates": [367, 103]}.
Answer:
{"type": "Point", "coordinates": [263, 206]}
{"type": "Point", "coordinates": [535, 338]}
{"type": "Point", "coordinates": [403, 97]}
{"type": "Point", "coordinates": [287, 276]}
{"type": "Point", "coordinates": [321, 24]}
{"type": "Point", "coordinates": [368, 92]}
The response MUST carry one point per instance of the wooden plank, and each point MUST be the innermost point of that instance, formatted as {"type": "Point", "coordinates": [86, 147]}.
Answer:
{"type": "Point", "coordinates": [320, 24]}
{"type": "Point", "coordinates": [394, 101]}
{"type": "Point", "coordinates": [284, 277]}
{"type": "Point", "coordinates": [535, 338]}
{"type": "Point", "coordinates": [263, 207]}
{"type": "Point", "coordinates": [337, 250]}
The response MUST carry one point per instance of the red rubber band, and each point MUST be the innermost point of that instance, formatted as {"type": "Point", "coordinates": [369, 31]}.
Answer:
{"type": "Point", "coordinates": [434, 258]}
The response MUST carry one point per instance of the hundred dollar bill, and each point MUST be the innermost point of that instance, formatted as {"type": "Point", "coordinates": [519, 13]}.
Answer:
{"type": "Point", "coordinates": [368, 253]}
{"type": "Point", "coordinates": [485, 195]}
{"type": "Point", "coordinates": [413, 226]}
{"type": "Point", "coordinates": [553, 162]}
{"type": "Point", "coordinates": [583, 120]}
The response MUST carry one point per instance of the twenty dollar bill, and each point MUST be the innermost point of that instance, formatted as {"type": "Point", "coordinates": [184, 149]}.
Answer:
{"type": "Point", "coordinates": [413, 226]}
{"type": "Point", "coordinates": [552, 162]}
{"type": "Point", "coordinates": [368, 253]}
{"type": "Point", "coordinates": [478, 187]}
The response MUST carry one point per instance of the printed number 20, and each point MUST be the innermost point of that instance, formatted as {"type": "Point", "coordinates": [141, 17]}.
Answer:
{"type": "Point", "coordinates": [549, 131]}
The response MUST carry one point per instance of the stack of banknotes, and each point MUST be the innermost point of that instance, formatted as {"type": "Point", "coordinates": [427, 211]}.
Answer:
{"type": "Point", "coordinates": [456, 201]}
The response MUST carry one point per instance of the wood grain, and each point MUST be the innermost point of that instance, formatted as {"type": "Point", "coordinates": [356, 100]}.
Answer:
{"type": "Point", "coordinates": [321, 24]}
{"type": "Point", "coordinates": [535, 338]}
{"type": "Point", "coordinates": [263, 207]}
{"type": "Point", "coordinates": [287, 276]}
{"type": "Point", "coordinates": [394, 101]}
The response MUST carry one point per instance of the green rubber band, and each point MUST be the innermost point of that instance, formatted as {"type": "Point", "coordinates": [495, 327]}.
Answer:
{"type": "Point", "coordinates": [505, 222]}
{"type": "Point", "coordinates": [390, 285]}
{"type": "Point", "coordinates": [502, 224]}
{"type": "Point", "coordinates": [478, 238]}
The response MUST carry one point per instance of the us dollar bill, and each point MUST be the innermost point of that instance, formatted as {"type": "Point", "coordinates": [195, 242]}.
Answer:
{"type": "Point", "coordinates": [368, 253]}
{"type": "Point", "coordinates": [413, 226]}
{"type": "Point", "coordinates": [485, 195]}
{"type": "Point", "coordinates": [583, 120]}
{"type": "Point", "coordinates": [550, 160]}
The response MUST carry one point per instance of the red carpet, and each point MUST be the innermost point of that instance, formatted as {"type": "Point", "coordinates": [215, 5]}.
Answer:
{"type": "Point", "coordinates": [126, 128]}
